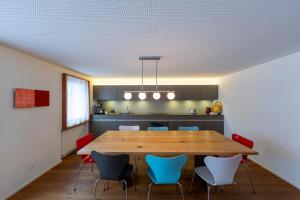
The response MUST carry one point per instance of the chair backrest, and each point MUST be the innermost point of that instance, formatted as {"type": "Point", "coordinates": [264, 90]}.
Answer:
{"type": "Point", "coordinates": [166, 170]}
{"type": "Point", "coordinates": [83, 141]}
{"type": "Point", "coordinates": [129, 128]}
{"type": "Point", "coordinates": [188, 128]}
{"type": "Point", "coordinates": [223, 169]}
{"type": "Point", "coordinates": [244, 141]}
{"type": "Point", "coordinates": [110, 166]}
{"type": "Point", "coordinates": [157, 128]}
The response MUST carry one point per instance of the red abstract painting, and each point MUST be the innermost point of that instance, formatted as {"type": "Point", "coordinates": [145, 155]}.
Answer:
{"type": "Point", "coordinates": [41, 98]}
{"type": "Point", "coordinates": [26, 98]}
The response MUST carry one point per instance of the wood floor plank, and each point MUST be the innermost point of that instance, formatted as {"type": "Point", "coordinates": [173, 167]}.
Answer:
{"type": "Point", "coordinates": [57, 184]}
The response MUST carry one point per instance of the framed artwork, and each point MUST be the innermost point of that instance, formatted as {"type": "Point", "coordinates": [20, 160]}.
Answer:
{"type": "Point", "coordinates": [27, 98]}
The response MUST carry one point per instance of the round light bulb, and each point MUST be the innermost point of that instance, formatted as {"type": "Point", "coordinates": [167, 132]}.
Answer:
{"type": "Point", "coordinates": [171, 95]}
{"type": "Point", "coordinates": [142, 95]}
{"type": "Point", "coordinates": [127, 95]}
{"type": "Point", "coordinates": [156, 95]}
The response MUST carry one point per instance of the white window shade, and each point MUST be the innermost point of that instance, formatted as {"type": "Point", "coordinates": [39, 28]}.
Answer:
{"type": "Point", "coordinates": [77, 101]}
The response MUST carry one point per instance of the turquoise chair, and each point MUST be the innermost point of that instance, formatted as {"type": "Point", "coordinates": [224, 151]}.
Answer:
{"type": "Point", "coordinates": [164, 171]}
{"type": "Point", "coordinates": [188, 128]}
{"type": "Point", "coordinates": [158, 128]}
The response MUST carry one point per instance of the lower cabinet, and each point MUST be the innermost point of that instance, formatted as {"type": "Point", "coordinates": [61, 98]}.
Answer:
{"type": "Point", "coordinates": [98, 126]}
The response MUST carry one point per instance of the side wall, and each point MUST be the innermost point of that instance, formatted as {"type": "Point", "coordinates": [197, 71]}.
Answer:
{"type": "Point", "coordinates": [262, 103]}
{"type": "Point", "coordinates": [31, 139]}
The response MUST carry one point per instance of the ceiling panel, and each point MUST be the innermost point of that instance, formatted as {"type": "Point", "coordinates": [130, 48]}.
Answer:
{"type": "Point", "coordinates": [104, 38]}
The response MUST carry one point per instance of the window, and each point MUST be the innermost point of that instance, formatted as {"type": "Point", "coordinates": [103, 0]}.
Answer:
{"type": "Point", "coordinates": [75, 101]}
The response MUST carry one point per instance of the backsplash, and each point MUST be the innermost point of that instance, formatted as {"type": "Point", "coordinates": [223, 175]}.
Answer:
{"type": "Point", "coordinates": [163, 107]}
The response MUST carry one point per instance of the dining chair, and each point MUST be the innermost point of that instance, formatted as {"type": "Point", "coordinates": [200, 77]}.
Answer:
{"type": "Point", "coordinates": [165, 171]}
{"type": "Point", "coordinates": [131, 128]}
{"type": "Point", "coordinates": [85, 159]}
{"type": "Point", "coordinates": [157, 128]}
{"type": "Point", "coordinates": [218, 171]}
{"type": "Point", "coordinates": [188, 128]}
{"type": "Point", "coordinates": [248, 143]}
{"type": "Point", "coordinates": [113, 168]}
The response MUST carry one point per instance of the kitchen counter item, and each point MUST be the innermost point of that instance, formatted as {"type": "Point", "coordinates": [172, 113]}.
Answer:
{"type": "Point", "coordinates": [192, 111]}
{"type": "Point", "coordinates": [99, 109]}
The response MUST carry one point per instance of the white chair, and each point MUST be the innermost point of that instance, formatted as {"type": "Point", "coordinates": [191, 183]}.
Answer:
{"type": "Point", "coordinates": [218, 171]}
{"type": "Point", "coordinates": [130, 128]}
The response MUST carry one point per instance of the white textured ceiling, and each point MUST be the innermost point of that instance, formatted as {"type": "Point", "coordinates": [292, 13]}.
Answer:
{"type": "Point", "coordinates": [103, 38]}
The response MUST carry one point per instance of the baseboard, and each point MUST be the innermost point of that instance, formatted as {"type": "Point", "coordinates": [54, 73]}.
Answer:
{"type": "Point", "coordinates": [10, 194]}
{"type": "Point", "coordinates": [68, 152]}
{"type": "Point", "coordinates": [274, 173]}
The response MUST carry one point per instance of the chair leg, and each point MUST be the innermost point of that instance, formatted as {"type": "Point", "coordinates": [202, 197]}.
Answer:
{"type": "Point", "coordinates": [192, 182]}
{"type": "Point", "coordinates": [135, 163]}
{"type": "Point", "coordinates": [126, 192]}
{"type": "Point", "coordinates": [78, 173]}
{"type": "Point", "coordinates": [92, 167]}
{"type": "Point", "coordinates": [133, 181]}
{"type": "Point", "coordinates": [250, 177]}
{"type": "Point", "coordinates": [208, 192]}
{"type": "Point", "coordinates": [180, 186]}
{"type": "Point", "coordinates": [149, 189]}
{"type": "Point", "coordinates": [237, 190]}
{"type": "Point", "coordinates": [95, 188]}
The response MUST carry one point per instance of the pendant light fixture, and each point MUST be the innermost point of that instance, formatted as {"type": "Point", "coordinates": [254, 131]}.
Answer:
{"type": "Point", "coordinates": [142, 94]}
{"type": "Point", "coordinates": [156, 94]}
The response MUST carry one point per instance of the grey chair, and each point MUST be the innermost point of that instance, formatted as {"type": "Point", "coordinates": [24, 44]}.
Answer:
{"type": "Point", "coordinates": [218, 171]}
{"type": "Point", "coordinates": [113, 168]}
{"type": "Point", "coordinates": [131, 128]}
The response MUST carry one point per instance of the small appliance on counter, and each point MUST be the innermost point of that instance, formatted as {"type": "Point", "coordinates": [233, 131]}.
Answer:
{"type": "Point", "coordinates": [208, 110]}
{"type": "Point", "coordinates": [192, 111]}
{"type": "Point", "coordinates": [99, 110]}
{"type": "Point", "coordinates": [112, 111]}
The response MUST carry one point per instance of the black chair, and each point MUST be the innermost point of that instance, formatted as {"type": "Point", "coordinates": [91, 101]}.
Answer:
{"type": "Point", "coordinates": [113, 168]}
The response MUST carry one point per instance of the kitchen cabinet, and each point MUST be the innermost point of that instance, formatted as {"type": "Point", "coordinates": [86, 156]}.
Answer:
{"type": "Point", "coordinates": [191, 92]}
{"type": "Point", "coordinates": [105, 92]}
{"type": "Point", "coordinates": [99, 127]}
{"type": "Point", "coordinates": [101, 123]}
{"type": "Point", "coordinates": [209, 92]}
{"type": "Point", "coordinates": [182, 92]}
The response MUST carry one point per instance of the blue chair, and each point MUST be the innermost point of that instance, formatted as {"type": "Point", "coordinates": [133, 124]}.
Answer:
{"type": "Point", "coordinates": [163, 171]}
{"type": "Point", "coordinates": [158, 128]}
{"type": "Point", "coordinates": [188, 128]}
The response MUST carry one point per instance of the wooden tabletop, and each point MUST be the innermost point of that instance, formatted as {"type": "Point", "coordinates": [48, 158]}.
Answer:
{"type": "Point", "coordinates": [161, 142]}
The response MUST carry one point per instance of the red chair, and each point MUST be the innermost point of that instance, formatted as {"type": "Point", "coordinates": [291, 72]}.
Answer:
{"type": "Point", "coordinates": [248, 143]}
{"type": "Point", "coordinates": [85, 159]}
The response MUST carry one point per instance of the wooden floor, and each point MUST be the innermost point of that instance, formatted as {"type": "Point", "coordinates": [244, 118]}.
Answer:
{"type": "Point", "coordinates": [58, 184]}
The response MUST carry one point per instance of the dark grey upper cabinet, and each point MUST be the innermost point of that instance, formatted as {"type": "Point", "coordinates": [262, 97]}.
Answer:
{"type": "Point", "coordinates": [182, 92]}
{"type": "Point", "coordinates": [192, 92]}
{"type": "Point", "coordinates": [209, 92]}
{"type": "Point", "coordinates": [105, 92]}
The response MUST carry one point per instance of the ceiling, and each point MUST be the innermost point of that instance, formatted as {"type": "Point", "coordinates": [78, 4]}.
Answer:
{"type": "Point", "coordinates": [104, 38]}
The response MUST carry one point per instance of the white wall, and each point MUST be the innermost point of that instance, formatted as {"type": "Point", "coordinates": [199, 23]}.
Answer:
{"type": "Point", "coordinates": [30, 139]}
{"type": "Point", "coordinates": [263, 104]}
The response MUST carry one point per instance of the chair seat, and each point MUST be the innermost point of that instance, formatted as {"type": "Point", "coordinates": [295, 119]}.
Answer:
{"type": "Point", "coordinates": [205, 174]}
{"type": "Point", "coordinates": [161, 182]}
{"type": "Point", "coordinates": [87, 159]}
{"type": "Point", "coordinates": [126, 172]}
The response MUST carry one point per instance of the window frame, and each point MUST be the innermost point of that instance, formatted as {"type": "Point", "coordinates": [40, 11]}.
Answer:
{"type": "Point", "coordinates": [65, 100]}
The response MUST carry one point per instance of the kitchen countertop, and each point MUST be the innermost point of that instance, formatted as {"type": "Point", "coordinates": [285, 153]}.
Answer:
{"type": "Point", "coordinates": [157, 117]}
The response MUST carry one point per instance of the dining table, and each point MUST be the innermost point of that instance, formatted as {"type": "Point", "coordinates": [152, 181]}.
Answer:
{"type": "Point", "coordinates": [204, 142]}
